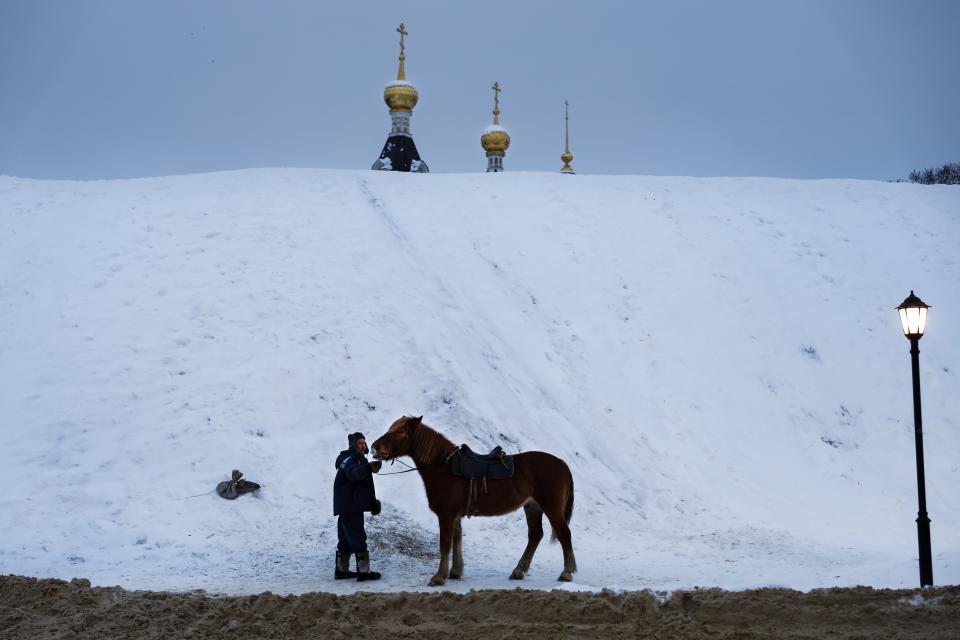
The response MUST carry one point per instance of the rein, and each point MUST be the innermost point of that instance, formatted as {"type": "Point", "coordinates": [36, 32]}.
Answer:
{"type": "Point", "coordinates": [393, 473]}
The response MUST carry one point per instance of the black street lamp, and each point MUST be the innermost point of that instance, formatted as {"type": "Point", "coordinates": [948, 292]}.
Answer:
{"type": "Point", "coordinates": [913, 316]}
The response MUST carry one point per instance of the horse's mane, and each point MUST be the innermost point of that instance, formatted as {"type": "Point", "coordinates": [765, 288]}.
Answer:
{"type": "Point", "coordinates": [429, 445]}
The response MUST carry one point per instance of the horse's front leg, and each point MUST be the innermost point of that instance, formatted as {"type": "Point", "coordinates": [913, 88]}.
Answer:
{"type": "Point", "coordinates": [456, 571]}
{"type": "Point", "coordinates": [446, 539]}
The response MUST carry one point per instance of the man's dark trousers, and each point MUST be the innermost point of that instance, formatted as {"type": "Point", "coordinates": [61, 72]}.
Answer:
{"type": "Point", "coordinates": [351, 537]}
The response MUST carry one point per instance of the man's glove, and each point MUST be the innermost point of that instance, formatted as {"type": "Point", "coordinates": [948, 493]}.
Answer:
{"type": "Point", "coordinates": [375, 509]}
{"type": "Point", "coordinates": [375, 466]}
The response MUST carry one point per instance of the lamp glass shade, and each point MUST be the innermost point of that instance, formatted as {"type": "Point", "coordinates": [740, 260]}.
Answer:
{"type": "Point", "coordinates": [913, 316]}
{"type": "Point", "coordinates": [914, 320]}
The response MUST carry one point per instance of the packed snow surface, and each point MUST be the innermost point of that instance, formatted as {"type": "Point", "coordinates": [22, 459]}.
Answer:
{"type": "Point", "coordinates": [718, 360]}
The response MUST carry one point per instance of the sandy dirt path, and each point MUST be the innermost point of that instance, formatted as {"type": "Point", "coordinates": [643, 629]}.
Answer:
{"type": "Point", "coordinates": [32, 608]}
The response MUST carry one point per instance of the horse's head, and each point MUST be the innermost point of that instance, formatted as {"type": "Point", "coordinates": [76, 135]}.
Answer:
{"type": "Point", "coordinates": [397, 440]}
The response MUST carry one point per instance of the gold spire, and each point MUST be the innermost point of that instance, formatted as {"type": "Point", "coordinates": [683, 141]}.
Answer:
{"type": "Point", "coordinates": [401, 74]}
{"type": "Point", "coordinates": [496, 140]}
{"type": "Point", "coordinates": [566, 156]}
{"type": "Point", "coordinates": [401, 95]}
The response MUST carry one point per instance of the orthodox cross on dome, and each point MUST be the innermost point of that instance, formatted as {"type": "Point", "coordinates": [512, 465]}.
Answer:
{"type": "Point", "coordinates": [403, 32]}
{"type": "Point", "coordinates": [496, 102]}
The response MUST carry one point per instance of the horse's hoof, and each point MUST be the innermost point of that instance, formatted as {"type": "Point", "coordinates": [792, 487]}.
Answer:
{"type": "Point", "coordinates": [517, 574]}
{"type": "Point", "coordinates": [436, 581]}
{"type": "Point", "coordinates": [565, 576]}
{"type": "Point", "coordinates": [455, 576]}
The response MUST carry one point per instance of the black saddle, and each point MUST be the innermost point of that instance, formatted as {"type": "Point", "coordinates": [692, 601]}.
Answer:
{"type": "Point", "coordinates": [466, 463]}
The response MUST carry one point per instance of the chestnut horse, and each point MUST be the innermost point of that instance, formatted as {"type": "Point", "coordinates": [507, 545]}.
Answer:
{"type": "Point", "coordinates": [541, 484]}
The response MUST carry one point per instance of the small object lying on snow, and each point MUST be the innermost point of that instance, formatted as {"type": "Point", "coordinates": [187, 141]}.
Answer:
{"type": "Point", "coordinates": [230, 489]}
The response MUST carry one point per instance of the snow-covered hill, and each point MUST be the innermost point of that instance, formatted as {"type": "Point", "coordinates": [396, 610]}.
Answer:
{"type": "Point", "coordinates": [718, 360]}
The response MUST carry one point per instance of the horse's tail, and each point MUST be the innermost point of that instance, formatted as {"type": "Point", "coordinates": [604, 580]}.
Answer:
{"type": "Point", "coordinates": [568, 509]}
{"type": "Point", "coordinates": [567, 505]}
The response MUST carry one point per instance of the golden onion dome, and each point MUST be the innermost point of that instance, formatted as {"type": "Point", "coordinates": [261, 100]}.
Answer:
{"type": "Point", "coordinates": [495, 139]}
{"type": "Point", "coordinates": [400, 95]}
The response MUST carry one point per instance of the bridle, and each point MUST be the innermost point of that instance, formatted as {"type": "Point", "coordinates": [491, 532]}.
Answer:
{"type": "Point", "coordinates": [395, 459]}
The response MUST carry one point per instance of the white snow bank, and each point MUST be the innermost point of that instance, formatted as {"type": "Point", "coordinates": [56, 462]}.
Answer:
{"type": "Point", "coordinates": [718, 360]}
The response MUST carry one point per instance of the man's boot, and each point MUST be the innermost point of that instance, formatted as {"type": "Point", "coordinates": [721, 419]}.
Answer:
{"type": "Point", "coordinates": [343, 567]}
{"type": "Point", "coordinates": [363, 567]}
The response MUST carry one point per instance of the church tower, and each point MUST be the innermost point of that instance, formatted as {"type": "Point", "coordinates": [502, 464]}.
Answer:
{"type": "Point", "coordinates": [400, 153]}
{"type": "Point", "coordinates": [566, 156]}
{"type": "Point", "coordinates": [495, 139]}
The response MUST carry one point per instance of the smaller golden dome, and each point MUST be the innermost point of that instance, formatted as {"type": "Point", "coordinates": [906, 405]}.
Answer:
{"type": "Point", "coordinates": [566, 157]}
{"type": "Point", "coordinates": [495, 140]}
{"type": "Point", "coordinates": [400, 95]}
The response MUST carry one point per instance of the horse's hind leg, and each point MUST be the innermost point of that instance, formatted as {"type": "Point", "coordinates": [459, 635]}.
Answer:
{"type": "Point", "coordinates": [456, 571]}
{"type": "Point", "coordinates": [534, 535]}
{"type": "Point", "coordinates": [562, 532]}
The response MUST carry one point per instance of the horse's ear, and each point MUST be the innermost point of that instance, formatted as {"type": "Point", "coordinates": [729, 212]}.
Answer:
{"type": "Point", "coordinates": [418, 420]}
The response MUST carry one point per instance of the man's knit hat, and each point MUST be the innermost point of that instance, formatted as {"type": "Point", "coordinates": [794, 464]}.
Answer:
{"type": "Point", "coordinates": [352, 440]}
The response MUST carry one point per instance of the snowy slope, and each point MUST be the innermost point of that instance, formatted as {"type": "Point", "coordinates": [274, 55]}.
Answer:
{"type": "Point", "coordinates": [718, 360]}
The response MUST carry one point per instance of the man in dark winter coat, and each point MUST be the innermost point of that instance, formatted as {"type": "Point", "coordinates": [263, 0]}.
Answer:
{"type": "Point", "coordinates": [353, 494]}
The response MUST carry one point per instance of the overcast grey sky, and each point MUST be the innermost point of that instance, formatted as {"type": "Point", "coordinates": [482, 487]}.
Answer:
{"type": "Point", "coordinates": [805, 89]}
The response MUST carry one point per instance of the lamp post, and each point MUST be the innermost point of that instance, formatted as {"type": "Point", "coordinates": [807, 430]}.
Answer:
{"type": "Point", "coordinates": [913, 316]}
